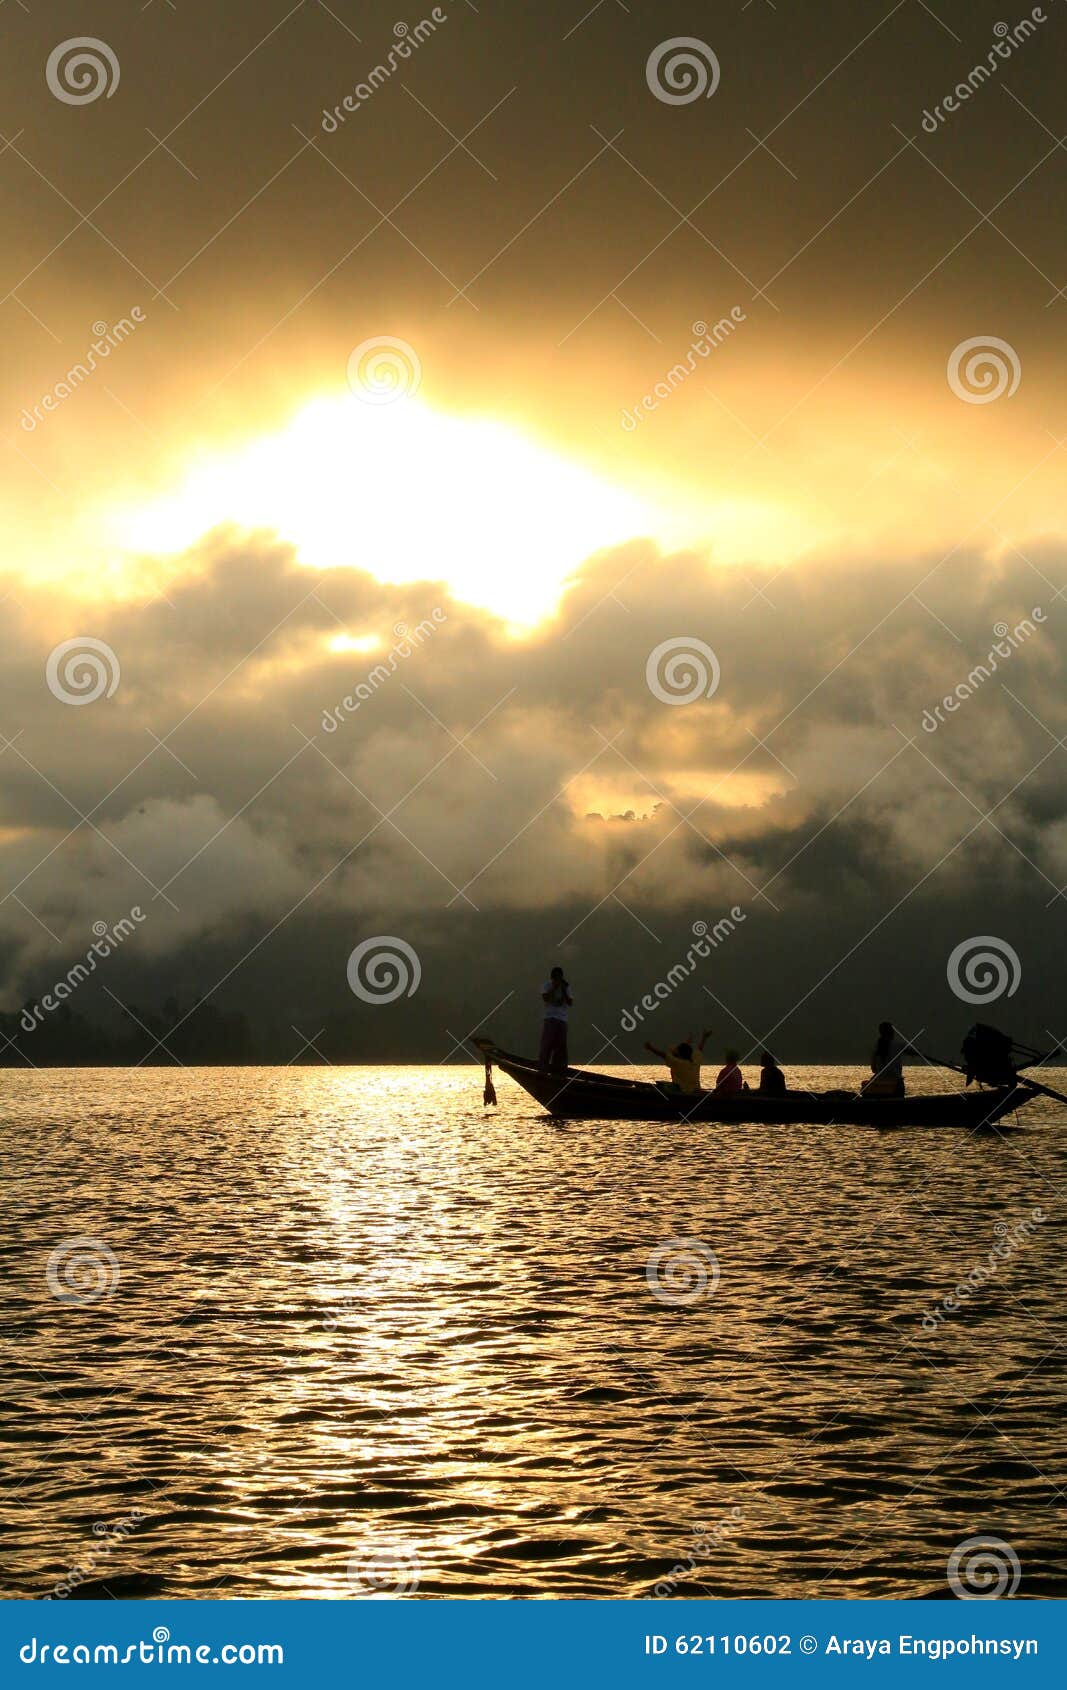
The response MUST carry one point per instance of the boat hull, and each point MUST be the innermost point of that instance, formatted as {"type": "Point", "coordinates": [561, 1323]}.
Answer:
{"type": "Point", "coordinates": [577, 1095]}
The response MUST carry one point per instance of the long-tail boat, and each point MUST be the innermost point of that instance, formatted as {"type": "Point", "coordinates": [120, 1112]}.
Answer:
{"type": "Point", "coordinates": [575, 1094]}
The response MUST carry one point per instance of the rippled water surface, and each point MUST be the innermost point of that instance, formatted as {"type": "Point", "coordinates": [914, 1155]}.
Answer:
{"type": "Point", "coordinates": [366, 1337]}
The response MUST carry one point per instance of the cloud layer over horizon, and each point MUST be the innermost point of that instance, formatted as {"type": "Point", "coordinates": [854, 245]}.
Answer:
{"type": "Point", "coordinates": [489, 792]}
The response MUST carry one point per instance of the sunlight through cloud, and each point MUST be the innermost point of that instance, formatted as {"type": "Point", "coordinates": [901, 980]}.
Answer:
{"type": "Point", "coordinates": [409, 494]}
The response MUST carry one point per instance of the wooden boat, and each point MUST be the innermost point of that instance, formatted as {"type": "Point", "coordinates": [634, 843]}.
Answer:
{"type": "Point", "coordinates": [578, 1095]}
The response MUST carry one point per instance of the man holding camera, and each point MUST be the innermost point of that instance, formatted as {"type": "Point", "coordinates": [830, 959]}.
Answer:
{"type": "Point", "coordinates": [556, 997]}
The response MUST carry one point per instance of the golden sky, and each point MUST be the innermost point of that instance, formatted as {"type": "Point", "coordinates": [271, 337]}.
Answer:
{"type": "Point", "coordinates": [777, 366]}
{"type": "Point", "coordinates": [589, 226]}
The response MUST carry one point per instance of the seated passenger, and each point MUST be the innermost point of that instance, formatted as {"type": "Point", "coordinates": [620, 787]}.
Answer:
{"type": "Point", "coordinates": [730, 1080]}
{"type": "Point", "coordinates": [887, 1072]}
{"type": "Point", "coordinates": [771, 1079]}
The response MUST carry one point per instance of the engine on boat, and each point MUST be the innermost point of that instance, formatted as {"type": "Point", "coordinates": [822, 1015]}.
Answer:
{"type": "Point", "coordinates": [988, 1056]}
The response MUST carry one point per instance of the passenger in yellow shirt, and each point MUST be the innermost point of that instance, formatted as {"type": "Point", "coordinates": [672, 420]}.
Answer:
{"type": "Point", "coordinates": [684, 1061]}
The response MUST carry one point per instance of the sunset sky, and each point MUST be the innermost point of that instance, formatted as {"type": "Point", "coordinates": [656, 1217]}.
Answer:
{"type": "Point", "coordinates": [515, 227]}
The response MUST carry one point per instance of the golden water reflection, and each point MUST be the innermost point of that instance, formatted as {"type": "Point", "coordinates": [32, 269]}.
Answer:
{"type": "Point", "coordinates": [369, 1339]}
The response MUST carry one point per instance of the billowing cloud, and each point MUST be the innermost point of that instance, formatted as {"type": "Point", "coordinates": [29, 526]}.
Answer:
{"type": "Point", "coordinates": [287, 755]}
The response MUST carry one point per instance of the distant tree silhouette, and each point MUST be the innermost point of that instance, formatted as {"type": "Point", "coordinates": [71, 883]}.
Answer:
{"type": "Point", "coordinates": [201, 1035]}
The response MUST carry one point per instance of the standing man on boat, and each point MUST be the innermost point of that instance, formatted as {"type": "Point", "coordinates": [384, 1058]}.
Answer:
{"type": "Point", "coordinates": [556, 997]}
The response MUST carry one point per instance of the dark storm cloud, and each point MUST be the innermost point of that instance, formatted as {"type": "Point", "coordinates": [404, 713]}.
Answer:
{"type": "Point", "coordinates": [300, 791]}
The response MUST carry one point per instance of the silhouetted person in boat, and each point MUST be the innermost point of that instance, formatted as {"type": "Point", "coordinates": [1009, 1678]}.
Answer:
{"type": "Point", "coordinates": [730, 1080]}
{"type": "Point", "coordinates": [556, 997]}
{"type": "Point", "coordinates": [988, 1056]}
{"type": "Point", "coordinates": [887, 1058]}
{"type": "Point", "coordinates": [684, 1061]}
{"type": "Point", "coordinates": [771, 1079]}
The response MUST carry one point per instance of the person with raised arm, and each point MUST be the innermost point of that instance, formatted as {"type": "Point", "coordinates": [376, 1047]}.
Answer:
{"type": "Point", "coordinates": [684, 1061]}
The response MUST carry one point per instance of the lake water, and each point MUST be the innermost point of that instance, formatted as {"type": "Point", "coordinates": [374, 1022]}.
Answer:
{"type": "Point", "coordinates": [342, 1332]}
